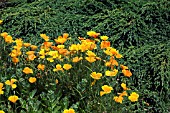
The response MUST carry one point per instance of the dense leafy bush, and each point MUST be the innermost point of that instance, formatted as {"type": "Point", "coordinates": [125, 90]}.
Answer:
{"type": "Point", "coordinates": [139, 29]}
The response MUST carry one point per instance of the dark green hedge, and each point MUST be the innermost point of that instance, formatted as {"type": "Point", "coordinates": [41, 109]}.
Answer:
{"type": "Point", "coordinates": [139, 29]}
{"type": "Point", "coordinates": [128, 23]}
{"type": "Point", "coordinates": [151, 69]}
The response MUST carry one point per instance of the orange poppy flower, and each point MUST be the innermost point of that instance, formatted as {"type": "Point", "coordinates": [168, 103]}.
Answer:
{"type": "Point", "coordinates": [127, 73]}
{"type": "Point", "coordinates": [81, 38]}
{"type": "Point", "coordinates": [8, 39]}
{"type": "Point", "coordinates": [123, 85]}
{"type": "Point", "coordinates": [65, 35]}
{"type": "Point", "coordinates": [30, 52]}
{"type": "Point", "coordinates": [124, 93]}
{"type": "Point", "coordinates": [56, 81]}
{"type": "Point", "coordinates": [41, 67]}
{"type": "Point", "coordinates": [69, 111]}
{"type": "Point", "coordinates": [54, 47]}
{"type": "Point", "coordinates": [77, 59]}
{"type": "Point", "coordinates": [60, 40]}
{"type": "Point", "coordinates": [33, 47]}
{"type": "Point", "coordinates": [93, 34]}
{"type": "Point", "coordinates": [118, 99]}
{"type": "Point", "coordinates": [45, 37]}
{"type": "Point", "coordinates": [27, 70]}
{"type": "Point", "coordinates": [4, 34]}
{"type": "Point", "coordinates": [15, 60]}
{"type": "Point", "coordinates": [26, 44]}
{"type": "Point", "coordinates": [31, 57]}
{"type": "Point", "coordinates": [104, 44]}
{"type": "Point", "coordinates": [123, 67]}
{"type": "Point", "coordinates": [13, 98]}
{"type": "Point", "coordinates": [47, 44]}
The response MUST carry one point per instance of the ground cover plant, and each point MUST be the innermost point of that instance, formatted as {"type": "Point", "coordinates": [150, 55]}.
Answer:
{"type": "Point", "coordinates": [138, 29]}
{"type": "Point", "coordinates": [57, 73]}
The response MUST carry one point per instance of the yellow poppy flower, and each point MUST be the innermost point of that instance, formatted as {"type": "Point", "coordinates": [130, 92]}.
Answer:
{"type": "Point", "coordinates": [104, 37]}
{"type": "Point", "coordinates": [74, 47]}
{"type": "Point", "coordinates": [111, 73]}
{"type": "Point", "coordinates": [114, 51]}
{"type": "Point", "coordinates": [90, 54]}
{"type": "Point", "coordinates": [30, 52]}
{"type": "Point", "coordinates": [13, 98]}
{"type": "Point", "coordinates": [77, 59]}
{"type": "Point", "coordinates": [56, 81]}
{"type": "Point", "coordinates": [93, 34]}
{"type": "Point", "coordinates": [1, 111]}
{"type": "Point", "coordinates": [60, 40]}
{"type": "Point", "coordinates": [15, 53]}
{"type": "Point", "coordinates": [50, 59]}
{"type": "Point", "coordinates": [1, 88]}
{"type": "Point", "coordinates": [93, 83]}
{"type": "Point", "coordinates": [118, 55]}
{"type": "Point", "coordinates": [1, 21]}
{"type": "Point", "coordinates": [54, 54]}
{"type": "Point", "coordinates": [26, 44]}
{"type": "Point", "coordinates": [1, 92]}
{"type": "Point", "coordinates": [133, 97]}
{"type": "Point", "coordinates": [96, 76]}
{"type": "Point", "coordinates": [11, 83]}
{"type": "Point", "coordinates": [60, 46]}
{"type": "Point", "coordinates": [106, 90]}
{"type": "Point", "coordinates": [124, 93]}
{"type": "Point", "coordinates": [27, 70]}
{"type": "Point", "coordinates": [45, 37]}
{"type": "Point", "coordinates": [90, 59]}
{"type": "Point", "coordinates": [42, 53]}
{"type": "Point", "coordinates": [123, 85]}
{"type": "Point", "coordinates": [58, 67]}
{"type": "Point", "coordinates": [32, 79]}
{"type": "Point", "coordinates": [67, 66]}
{"type": "Point", "coordinates": [69, 110]}
{"type": "Point", "coordinates": [8, 39]}
{"type": "Point", "coordinates": [19, 42]}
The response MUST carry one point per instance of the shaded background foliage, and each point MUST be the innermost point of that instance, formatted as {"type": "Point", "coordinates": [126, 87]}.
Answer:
{"type": "Point", "coordinates": [139, 29]}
